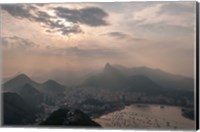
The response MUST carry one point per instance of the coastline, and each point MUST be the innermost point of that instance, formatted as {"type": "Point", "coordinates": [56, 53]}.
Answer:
{"type": "Point", "coordinates": [133, 117]}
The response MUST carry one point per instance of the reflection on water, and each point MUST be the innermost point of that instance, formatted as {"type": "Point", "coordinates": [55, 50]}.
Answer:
{"type": "Point", "coordinates": [147, 116]}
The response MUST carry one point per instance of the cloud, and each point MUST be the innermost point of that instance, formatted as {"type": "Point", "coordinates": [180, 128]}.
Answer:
{"type": "Point", "coordinates": [91, 16]}
{"type": "Point", "coordinates": [19, 10]}
{"type": "Point", "coordinates": [178, 8]}
{"type": "Point", "coordinates": [34, 14]}
{"type": "Point", "coordinates": [16, 42]}
{"type": "Point", "coordinates": [148, 15]}
{"type": "Point", "coordinates": [165, 14]}
{"type": "Point", "coordinates": [121, 35]}
{"type": "Point", "coordinates": [65, 30]}
{"type": "Point", "coordinates": [29, 12]}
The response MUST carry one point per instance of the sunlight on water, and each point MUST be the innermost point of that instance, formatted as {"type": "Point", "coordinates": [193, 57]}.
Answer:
{"type": "Point", "coordinates": [146, 116]}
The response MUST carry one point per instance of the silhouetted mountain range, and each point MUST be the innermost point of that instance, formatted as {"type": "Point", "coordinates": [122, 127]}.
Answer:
{"type": "Point", "coordinates": [31, 94]}
{"type": "Point", "coordinates": [113, 76]}
{"type": "Point", "coordinates": [22, 95]}
{"type": "Point", "coordinates": [116, 77]}
{"type": "Point", "coordinates": [52, 87]}
{"type": "Point", "coordinates": [16, 111]}
{"type": "Point", "coordinates": [162, 78]}
{"type": "Point", "coordinates": [120, 77]}
{"type": "Point", "coordinates": [18, 83]}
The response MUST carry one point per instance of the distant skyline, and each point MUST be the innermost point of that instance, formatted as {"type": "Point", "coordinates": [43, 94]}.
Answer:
{"type": "Point", "coordinates": [43, 40]}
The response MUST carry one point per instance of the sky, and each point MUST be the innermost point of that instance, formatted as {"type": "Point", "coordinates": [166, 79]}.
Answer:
{"type": "Point", "coordinates": [60, 41]}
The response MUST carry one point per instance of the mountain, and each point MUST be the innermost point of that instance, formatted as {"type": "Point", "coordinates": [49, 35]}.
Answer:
{"type": "Point", "coordinates": [52, 87]}
{"type": "Point", "coordinates": [31, 94]}
{"type": "Point", "coordinates": [162, 78]}
{"type": "Point", "coordinates": [15, 84]}
{"type": "Point", "coordinates": [147, 81]}
{"type": "Point", "coordinates": [143, 85]}
{"type": "Point", "coordinates": [140, 83]}
{"type": "Point", "coordinates": [20, 83]}
{"type": "Point", "coordinates": [28, 89]}
{"type": "Point", "coordinates": [110, 78]}
{"type": "Point", "coordinates": [5, 79]}
{"type": "Point", "coordinates": [108, 69]}
{"type": "Point", "coordinates": [69, 118]}
{"type": "Point", "coordinates": [113, 79]}
{"type": "Point", "coordinates": [16, 111]}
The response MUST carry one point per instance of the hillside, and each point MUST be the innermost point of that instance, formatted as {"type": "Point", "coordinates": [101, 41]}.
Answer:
{"type": "Point", "coordinates": [16, 111]}
{"type": "Point", "coordinates": [66, 118]}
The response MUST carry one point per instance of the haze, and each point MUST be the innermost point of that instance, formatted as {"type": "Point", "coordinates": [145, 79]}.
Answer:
{"type": "Point", "coordinates": [66, 41]}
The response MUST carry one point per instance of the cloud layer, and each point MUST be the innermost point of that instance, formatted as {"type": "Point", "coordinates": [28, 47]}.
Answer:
{"type": "Point", "coordinates": [84, 35]}
{"type": "Point", "coordinates": [16, 42]}
{"type": "Point", "coordinates": [123, 36]}
{"type": "Point", "coordinates": [90, 16]}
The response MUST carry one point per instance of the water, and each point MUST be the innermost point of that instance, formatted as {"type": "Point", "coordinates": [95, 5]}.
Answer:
{"type": "Point", "coordinates": [146, 116]}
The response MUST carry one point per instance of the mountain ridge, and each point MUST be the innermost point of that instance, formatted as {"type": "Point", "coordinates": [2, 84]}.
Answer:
{"type": "Point", "coordinates": [18, 82]}
{"type": "Point", "coordinates": [115, 72]}
{"type": "Point", "coordinates": [17, 110]}
{"type": "Point", "coordinates": [163, 78]}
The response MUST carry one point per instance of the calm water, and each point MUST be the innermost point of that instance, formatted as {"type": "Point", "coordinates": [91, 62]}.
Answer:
{"type": "Point", "coordinates": [146, 116]}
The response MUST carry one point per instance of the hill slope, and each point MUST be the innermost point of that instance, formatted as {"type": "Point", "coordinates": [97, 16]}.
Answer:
{"type": "Point", "coordinates": [162, 78]}
{"type": "Point", "coordinates": [66, 117]}
{"type": "Point", "coordinates": [22, 83]}
{"type": "Point", "coordinates": [15, 84]}
{"type": "Point", "coordinates": [113, 79]}
{"type": "Point", "coordinates": [16, 111]}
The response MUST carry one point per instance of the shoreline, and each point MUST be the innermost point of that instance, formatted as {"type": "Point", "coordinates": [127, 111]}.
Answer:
{"type": "Point", "coordinates": [132, 117]}
{"type": "Point", "coordinates": [155, 104]}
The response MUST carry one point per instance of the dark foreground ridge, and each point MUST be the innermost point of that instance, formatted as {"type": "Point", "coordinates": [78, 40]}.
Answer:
{"type": "Point", "coordinates": [16, 110]}
{"type": "Point", "coordinates": [188, 113]}
{"type": "Point", "coordinates": [66, 118]}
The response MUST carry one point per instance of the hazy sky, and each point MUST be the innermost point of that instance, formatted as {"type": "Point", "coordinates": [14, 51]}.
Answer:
{"type": "Point", "coordinates": [47, 40]}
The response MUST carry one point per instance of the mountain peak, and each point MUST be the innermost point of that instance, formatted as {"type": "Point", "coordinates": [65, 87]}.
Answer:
{"type": "Point", "coordinates": [50, 82]}
{"type": "Point", "coordinates": [111, 70]}
{"type": "Point", "coordinates": [22, 76]}
{"type": "Point", "coordinates": [53, 84]}
{"type": "Point", "coordinates": [107, 67]}
{"type": "Point", "coordinates": [17, 82]}
{"type": "Point", "coordinates": [107, 64]}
